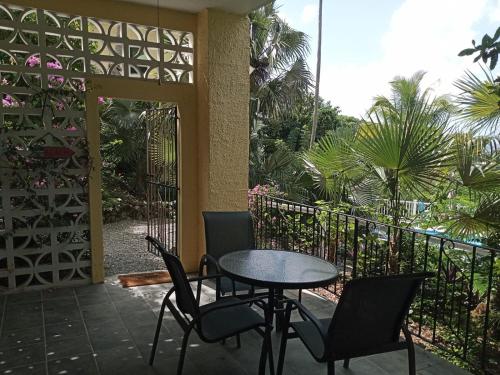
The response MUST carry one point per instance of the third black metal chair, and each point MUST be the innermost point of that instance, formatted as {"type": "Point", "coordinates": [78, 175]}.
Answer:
{"type": "Point", "coordinates": [213, 322]}
{"type": "Point", "coordinates": [367, 320]}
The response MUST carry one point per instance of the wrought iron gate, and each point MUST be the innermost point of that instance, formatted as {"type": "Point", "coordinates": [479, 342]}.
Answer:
{"type": "Point", "coordinates": [162, 182]}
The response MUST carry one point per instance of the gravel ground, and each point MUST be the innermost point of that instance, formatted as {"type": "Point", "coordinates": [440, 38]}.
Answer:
{"type": "Point", "coordinates": [125, 249]}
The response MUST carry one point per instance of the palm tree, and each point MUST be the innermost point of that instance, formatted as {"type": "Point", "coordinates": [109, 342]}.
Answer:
{"type": "Point", "coordinates": [405, 141]}
{"type": "Point", "coordinates": [335, 167]}
{"type": "Point", "coordinates": [279, 78]}
{"type": "Point", "coordinates": [318, 74]}
{"type": "Point", "coordinates": [480, 102]}
{"type": "Point", "coordinates": [401, 149]}
{"type": "Point", "coordinates": [476, 173]}
{"type": "Point", "coordinates": [278, 72]}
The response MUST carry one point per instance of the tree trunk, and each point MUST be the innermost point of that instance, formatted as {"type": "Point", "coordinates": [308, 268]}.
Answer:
{"type": "Point", "coordinates": [393, 242]}
{"type": "Point", "coordinates": [318, 73]}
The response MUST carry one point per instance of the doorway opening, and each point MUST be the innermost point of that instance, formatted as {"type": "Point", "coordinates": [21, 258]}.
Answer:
{"type": "Point", "coordinates": [139, 182]}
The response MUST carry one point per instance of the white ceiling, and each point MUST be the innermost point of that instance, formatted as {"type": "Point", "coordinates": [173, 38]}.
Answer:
{"type": "Point", "coordinates": [195, 6]}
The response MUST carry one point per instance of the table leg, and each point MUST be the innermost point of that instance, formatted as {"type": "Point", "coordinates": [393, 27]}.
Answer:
{"type": "Point", "coordinates": [276, 307]}
{"type": "Point", "coordinates": [271, 301]}
{"type": "Point", "coordinates": [279, 310]}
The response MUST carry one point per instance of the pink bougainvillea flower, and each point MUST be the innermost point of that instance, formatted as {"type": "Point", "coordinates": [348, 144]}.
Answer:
{"type": "Point", "coordinates": [41, 183]}
{"type": "Point", "coordinates": [72, 128]}
{"type": "Point", "coordinates": [60, 105]}
{"type": "Point", "coordinates": [9, 101]}
{"type": "Point", "coordinates": [33, 61]}
{"type": "Point", "coordinates": [54, 65]}
{"type": "Point", "coordinates": [79, 84]}
{"type": "Point", "coordinates": [101, 100]}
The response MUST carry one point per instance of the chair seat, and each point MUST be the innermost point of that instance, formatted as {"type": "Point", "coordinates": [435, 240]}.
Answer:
{"type": "Point", "coordinates": [227, 322]}
{"type": "Point", "coordinates": [311, 337]}
{"type": "Point", "coordinates": [226, 286]}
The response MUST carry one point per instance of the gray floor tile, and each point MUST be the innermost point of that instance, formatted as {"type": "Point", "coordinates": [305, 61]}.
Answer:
{"type": "Point", "coordinates": [90, 289]}
{"type": "Point", "coordinates": [77, 364]}
{"type": "Point", "coordinates": [138, 318]}
{"type": "Point", "coordinates": [61, 331]}
{"type": "Point", "coordinates": [60, 304]}
{"type": "Point", "coordinates": [58, 293]}
{"type": "Point", "coordinates": [98, 327]}
{"type": "Point", "coordinates": [26, 297]}
{"type": "Point", "coordinates": [111, 338]}
{"type": "Point", "coordinates": [143, 336]}
{"type": "Point", "coordinates": [30, 369]}
{"type": "Point", "coordinates": [23, 308]}
{"type": "Point", "coordinates": [71, 315]}
{"type": "Point", "coordinates": [20, 320]}
{"type": "Point", "coordinates": [15, 357]}
{"type": "Point", "coordinates": [68, 347]}
{"type": "Point", "coordinates": [164, 366]}
{"type": "Point", "coordinates": [21, 337]}
{"type": "Point", "coordinates": [99, 312]}
{"type": "Point", "coordinates": [120, 360]}
{"type": "Point", "coordinates": [93, 299]}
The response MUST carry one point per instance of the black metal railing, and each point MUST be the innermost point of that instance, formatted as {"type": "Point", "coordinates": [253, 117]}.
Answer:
{"type": "Point", "coordinates": [456, 311]}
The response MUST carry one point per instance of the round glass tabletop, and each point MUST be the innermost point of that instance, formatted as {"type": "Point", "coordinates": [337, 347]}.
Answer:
{"type": "Point", "coordinates": [278, 269]}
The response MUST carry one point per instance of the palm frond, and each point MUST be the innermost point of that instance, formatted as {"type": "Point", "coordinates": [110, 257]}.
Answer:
{"type": "Point", "coordinates": [478, 223]}
{"type": "Point", "coordinates": [479, 102]}
{"type": "Point", "coordinates": [477, 161]}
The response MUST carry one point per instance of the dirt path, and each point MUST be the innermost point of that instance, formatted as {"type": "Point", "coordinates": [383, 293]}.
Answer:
{"type": "Point", "coordinates": [125, 249]}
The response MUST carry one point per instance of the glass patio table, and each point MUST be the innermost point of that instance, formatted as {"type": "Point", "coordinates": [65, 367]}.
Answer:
{"type": "Point", "coordinates": [277, 270]}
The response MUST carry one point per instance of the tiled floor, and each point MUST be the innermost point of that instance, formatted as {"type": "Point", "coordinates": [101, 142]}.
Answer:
{"type": "Point", "coordinates": [105, 329]}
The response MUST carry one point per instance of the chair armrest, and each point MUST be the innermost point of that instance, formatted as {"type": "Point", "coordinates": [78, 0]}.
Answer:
{"type": "Point", "coordinates": [205, 260]}
{"type": "Point", "coordinates": [258, 301]}
{"type": "Point", "coordinates": [304, 312]}
{"type": "Point", "coordinates": [201, 278]}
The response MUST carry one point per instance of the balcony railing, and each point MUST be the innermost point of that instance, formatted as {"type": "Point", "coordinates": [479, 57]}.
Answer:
{"type": "Point", "coordinates": [454, 311]}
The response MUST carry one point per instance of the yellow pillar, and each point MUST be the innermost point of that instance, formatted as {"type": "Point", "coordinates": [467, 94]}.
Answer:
{"type": "Point", "coordinates": [223, 86]}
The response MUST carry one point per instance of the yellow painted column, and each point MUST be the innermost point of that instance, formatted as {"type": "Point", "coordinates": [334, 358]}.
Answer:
{"type": "Point", "coordinates": [95, 184]}
{"type": "Point", "coordinates": [223, 86]}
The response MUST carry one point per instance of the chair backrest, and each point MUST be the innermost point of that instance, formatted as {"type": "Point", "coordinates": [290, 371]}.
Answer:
{"type": "Point", "coordinates": [184, 296]}
{"type": "Point", "coordinates": [226, 232]}
{"type": "Point", "coordinates": [370, 314]}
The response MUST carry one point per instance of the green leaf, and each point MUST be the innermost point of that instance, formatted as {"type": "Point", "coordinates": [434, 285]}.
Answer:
{"type": "Point", "coordinates": [467, 52]}
{"type": "Point", "coordinates": [497, 34]}
{"type": "Point", "coordinates": [477, 58]}
{"type": "Point", "coordinates": [487, 41]}
{"type": "Point", "coordinates": [493, 60]}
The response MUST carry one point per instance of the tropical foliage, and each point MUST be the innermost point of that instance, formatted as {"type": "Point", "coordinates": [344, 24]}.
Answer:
{"type": "Point", "coordinates": [400, 150]}
{"type": "Point", "coordinates": [123, 150]}
{"type": "Point", "coordinates": [486, 51]}
{"type": "Point", "coordinates": [479, 101]}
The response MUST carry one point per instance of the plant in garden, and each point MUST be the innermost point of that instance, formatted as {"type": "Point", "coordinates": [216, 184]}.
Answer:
{"type": "Point", "coordinates": [486, 51]}
{"type": "Point", "coordinates": [278, 71]}
{"type": "Point", "coordinates": [124, 140]}
{"type": "Point", "coordinates": [402, 149]}
{"type": "Point", "coordinates": [279, 77]}
{"type": "Point", "coordinates": [479, 101]}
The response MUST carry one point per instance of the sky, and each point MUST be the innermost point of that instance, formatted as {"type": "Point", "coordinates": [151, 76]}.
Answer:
{"type": "Point", "coordinates": [366, 43]}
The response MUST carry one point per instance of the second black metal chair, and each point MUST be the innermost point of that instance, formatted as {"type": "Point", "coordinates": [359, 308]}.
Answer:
{"type": "Point", "coordinates": [367, 320]}
{"type": "Point", "coordinates": [226, 231]}
{"type": "Point", "coordinates": [213, 322]}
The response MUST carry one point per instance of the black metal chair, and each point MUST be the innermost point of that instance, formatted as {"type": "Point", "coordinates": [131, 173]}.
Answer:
{"type": "Point", "coordinates": [226, 232]}
{"type": "Point", "coordinates": [213, 322]}
{"type": "Point", "coordinates": [367, 320]}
